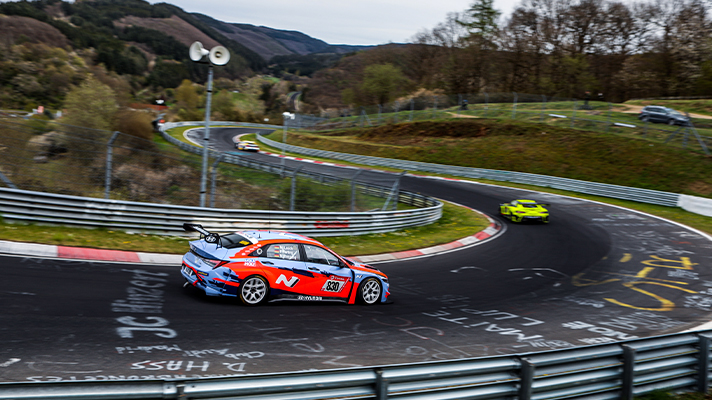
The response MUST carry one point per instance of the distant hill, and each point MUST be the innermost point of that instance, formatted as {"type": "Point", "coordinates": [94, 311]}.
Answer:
{"type": "Point", "coordinates": [269, 42]}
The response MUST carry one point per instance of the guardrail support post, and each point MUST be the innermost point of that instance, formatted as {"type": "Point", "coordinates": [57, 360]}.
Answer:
{"type": "Point", "coordinates": [380, 109]}
{"type": "Point", "coordinates": [526, 379]}
{"type": "Point", "coordinates": [7, 181]}
{"type": "Point", "coordinates": [628, 373]}
{"type": "Point", "coordinates": [412, 104]}
{"type": "Point", "coordinates": [703, 363]}
{"type": "Point", "coordinates": [396, 107]}
{"type": "Point", "coordinates": [381, 386]}
{"type": "Point", "coordinates": [109, 153]}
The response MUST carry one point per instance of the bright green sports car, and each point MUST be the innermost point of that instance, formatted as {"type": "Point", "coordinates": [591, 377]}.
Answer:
{"type": "Point", "coordinates": [525, 210]}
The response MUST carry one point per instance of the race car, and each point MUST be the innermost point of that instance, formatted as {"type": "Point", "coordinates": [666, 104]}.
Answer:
{"type": "Point", "coordinates": [525, 210]}
{"type": "Point", "coordinates": [259, 266]}
{"type": "Point", "coordinates": [247, 145]}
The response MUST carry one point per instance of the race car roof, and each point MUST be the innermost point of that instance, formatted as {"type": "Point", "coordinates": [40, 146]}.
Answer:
{"type": "Point", "coordinates": [275, 235]}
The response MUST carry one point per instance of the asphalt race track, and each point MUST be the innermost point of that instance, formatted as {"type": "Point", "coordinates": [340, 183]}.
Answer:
{"type": "Point", "coordinates": [595, 274]}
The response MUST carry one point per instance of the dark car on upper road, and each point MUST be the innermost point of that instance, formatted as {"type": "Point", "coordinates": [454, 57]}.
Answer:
{"type": "Point", "coordinates": [663, 115]}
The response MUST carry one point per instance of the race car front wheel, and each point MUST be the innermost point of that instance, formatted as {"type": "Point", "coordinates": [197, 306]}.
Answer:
{"type": "Point", "coordinates": [369, 292]}
{"type": "Point", "coordinates": [253, 290]}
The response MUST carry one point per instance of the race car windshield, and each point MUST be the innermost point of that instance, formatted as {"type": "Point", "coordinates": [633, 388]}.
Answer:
{"type": "Point", "coordinates": [530, 205]}
{"type": "Point", "coordinates": [233, 241]}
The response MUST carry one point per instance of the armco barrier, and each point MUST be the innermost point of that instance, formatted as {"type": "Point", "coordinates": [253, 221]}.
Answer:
{"type": "Point", "coordinates": [622, 370]}
{"type": "Point", "coordinates": [599, 189]}
{"type": "Point", "coordinates": [39, 207]}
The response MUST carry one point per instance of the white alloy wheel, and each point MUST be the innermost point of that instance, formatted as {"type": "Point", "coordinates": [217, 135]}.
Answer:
{"type": "Point", "coordinates": [253, 290]}
{"type": "Point", "coordinates": [370, 291]}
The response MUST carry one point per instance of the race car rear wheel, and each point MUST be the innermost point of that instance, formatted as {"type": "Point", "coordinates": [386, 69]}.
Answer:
{"type": "Point", "coordinates": [369, 291]}
{"type": "Point", "coordinates": [253, 290]}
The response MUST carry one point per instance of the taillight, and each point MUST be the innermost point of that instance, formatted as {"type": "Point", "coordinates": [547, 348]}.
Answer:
{"type": "Point", "coordinates": [215, 263]}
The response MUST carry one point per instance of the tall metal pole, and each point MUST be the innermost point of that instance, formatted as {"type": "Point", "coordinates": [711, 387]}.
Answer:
{"type": "Point", "coordinates": [284, 139]}
{"type": "Point", "coordinates": [206, 139]}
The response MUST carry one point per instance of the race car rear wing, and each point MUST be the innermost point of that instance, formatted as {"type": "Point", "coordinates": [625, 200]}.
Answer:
{"type": "Point", "coordinates": [204, 233]}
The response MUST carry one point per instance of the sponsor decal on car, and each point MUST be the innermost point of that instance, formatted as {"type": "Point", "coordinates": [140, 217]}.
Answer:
{"type": "Point", "coordinates": [334, 284]}
{"type": "Point", "coordinates": [309, 298]}
{"type": "Point", "coordinates": [291, 282]}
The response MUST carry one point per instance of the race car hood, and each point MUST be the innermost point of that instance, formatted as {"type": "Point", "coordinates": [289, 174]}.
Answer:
{"type": "Point", "coordinates": [367, 268]}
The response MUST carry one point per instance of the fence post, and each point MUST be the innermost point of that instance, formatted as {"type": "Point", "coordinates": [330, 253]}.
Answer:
{"type": "Point", "coordinates": [514, 109]}
{"type": "Point", "coordinates": [486, 104]}
{"type": "Point", "coordinates": [380, 108]}
{"type": "Point", "coordinates": [7, 181]}
{"type": "Point", "coordinates": [294, 188]}
{"type": "Point", "coordinates": [703, 363]}
{"type": "Point", "coordinates": [394, 194]}
{"type": "Point", "coordinates": [543, 108]}
{"type": "Point", "coordinates": [353, 191]}
{"type": "Point", "coordinates": [381, 385]}
{"type": "Point", "coordinates": [396, 107]}
{"type": "Point", "coordinates": [573, 117]}
{"type": "Point", "coordinates": [214, 175]}
{"type": "Point", "coordinates": [435, 106]}
{"type": "Point", "coordinates": [628, 372]}
{"type": "Point", "coordinates": [412, 104]}
{"type": "Point", "coordinates": [526, 379]}
{"type": "Point", "coordinates": [459, 104]}
{"type": "Point", "coordinates": [109, 154]}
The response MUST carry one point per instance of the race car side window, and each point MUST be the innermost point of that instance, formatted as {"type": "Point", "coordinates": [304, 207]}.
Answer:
{"type": "Point", "coordinates": [285, 251]}
{"type": "Point", "coordinates": [318, 255]}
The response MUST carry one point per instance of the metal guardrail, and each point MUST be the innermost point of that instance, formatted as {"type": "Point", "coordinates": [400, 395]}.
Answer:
{"type": "Point", "coordinates": [599, 189]}
{"type": "Point", "coordinates": [39, 207]}
{"type": "Point", "coordinates": [623, 370]}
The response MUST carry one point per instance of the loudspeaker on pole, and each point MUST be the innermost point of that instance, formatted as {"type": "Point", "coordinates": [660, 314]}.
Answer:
{"type": "Point", "coordinates": [219, 55]}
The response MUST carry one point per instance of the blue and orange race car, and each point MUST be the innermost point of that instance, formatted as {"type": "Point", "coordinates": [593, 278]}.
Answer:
{"type": "Point", "coordinates": [260, 266]}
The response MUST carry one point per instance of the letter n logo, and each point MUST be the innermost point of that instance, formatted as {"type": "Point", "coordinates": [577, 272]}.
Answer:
{"type": "Point", "coordinates": [289, 282]}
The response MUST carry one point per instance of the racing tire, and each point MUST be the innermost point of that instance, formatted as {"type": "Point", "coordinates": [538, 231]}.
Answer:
{"type": "Point", "coordinates": [254, 290]}
{"type": "Point", "coordinates": [369, 291]}
{"type": "Point", "coordinates": [671, 122]}
{"type": "Point", "coordinates": [645, 118]}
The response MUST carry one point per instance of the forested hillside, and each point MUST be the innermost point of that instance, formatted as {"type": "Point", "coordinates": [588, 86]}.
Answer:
{"type": "Point", "coordinates": [556, 48]}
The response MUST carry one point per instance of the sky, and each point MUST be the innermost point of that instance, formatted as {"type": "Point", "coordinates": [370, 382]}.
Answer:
{"type": "Point", "coordinates": [363, 22]}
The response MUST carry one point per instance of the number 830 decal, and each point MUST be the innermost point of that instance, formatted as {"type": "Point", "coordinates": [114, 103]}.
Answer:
{"type": "Point", "coordinates": [333, 286]}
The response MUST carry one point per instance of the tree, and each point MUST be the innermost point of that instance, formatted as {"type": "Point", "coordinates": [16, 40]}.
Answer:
{"type": "Point", "coordinates": [187, 100]}
{"type": "Point", "coordinates": [481, 20]}
{"type": "Point", "coordinates": [383, 82]}
{"type": "Point", "coordinates": [91, 105]}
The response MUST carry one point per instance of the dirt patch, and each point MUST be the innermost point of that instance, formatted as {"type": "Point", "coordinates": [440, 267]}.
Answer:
{"type": "Point", "coordinates": [702, 188]}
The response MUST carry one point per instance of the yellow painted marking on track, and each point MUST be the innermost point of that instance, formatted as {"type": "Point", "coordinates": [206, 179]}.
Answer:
{"type": "Point", "coordinates": [626, 257]}
{"type": "Point", "coordinates": [580, 281]}
{"type": "Point", "coordinates": [667, 305]}
{"type": "Point", "coordinates": [643, 274]}
{"type": "Point", "coordinates": [684, 262]}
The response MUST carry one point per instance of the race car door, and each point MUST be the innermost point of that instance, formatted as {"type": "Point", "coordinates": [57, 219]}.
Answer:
{"type": "Point", "coordinates": [331, 277]}
{"type": "Point", "coordinates": [285, 266]}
